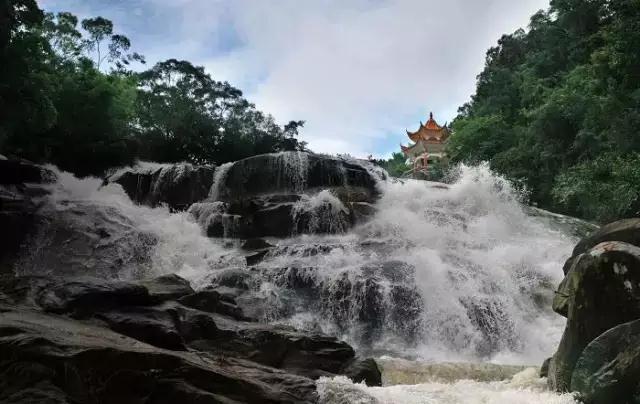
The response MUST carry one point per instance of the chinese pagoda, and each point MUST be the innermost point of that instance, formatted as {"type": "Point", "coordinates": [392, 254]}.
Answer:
{"type": "Point", "coordinates": [428, 145]}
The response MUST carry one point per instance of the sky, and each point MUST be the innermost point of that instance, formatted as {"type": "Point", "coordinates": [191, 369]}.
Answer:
{"type": "Point", "coordinates": [359, 72]}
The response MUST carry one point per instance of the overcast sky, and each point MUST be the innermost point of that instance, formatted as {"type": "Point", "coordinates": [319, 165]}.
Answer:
{"type": "Point", "coordinates": [359, 72]}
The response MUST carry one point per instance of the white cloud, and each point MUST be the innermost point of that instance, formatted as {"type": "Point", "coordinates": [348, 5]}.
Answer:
{"type": "Point", "coordinates": [359, 71]}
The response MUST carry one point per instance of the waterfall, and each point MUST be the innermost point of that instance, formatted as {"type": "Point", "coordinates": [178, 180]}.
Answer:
{"type": "Point", "coordinates": [458, 272]}
{"type": "Point", "coordinates": [219, 177]}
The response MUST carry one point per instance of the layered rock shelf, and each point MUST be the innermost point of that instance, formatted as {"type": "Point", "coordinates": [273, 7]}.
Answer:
{"type": "Point", "coordinates": [73, 331]}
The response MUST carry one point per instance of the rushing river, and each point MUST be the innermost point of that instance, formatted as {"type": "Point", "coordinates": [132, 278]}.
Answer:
{"type": "Point", "coordinates": [480, 271]}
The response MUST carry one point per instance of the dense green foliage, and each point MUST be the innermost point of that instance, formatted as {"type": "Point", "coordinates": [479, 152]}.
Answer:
{"type": "Point", "coordinates": [396, 166]}
{"type": "Point", "coordinates": [69, 95]}
{"type": "Point", "coordinates": [558, 108]}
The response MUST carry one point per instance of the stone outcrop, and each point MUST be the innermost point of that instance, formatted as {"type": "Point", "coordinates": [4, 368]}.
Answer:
{"type": "Point", "coordinates": [87, 339]}
{"type": "Point", "coordinates": [608, 368]}
{"type": "Point", "coordinates": [177, 185]}
{"type": "Point", "coordinates": [53, 359]}
{"type": "Point", "coordinates": [293, 173]}
{"type": "Point", "coordinates": [21, 185]}
{"type": "Point", "coordinates": [284, 194]}
{"type": "Point", "coordinates": [83, 238]}
{"type": "Point", "coordinates": [600, 297]}
{"type": "Point", "coordinates": [80, 322]}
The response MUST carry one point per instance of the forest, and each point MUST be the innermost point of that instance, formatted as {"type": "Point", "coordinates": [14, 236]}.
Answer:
{"type": "Point", "coordinates": [557, 109]}
{"type": "Point", "coordinates": [74, 93]}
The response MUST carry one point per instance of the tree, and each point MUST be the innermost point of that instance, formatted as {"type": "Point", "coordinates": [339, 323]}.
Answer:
{"type": "Point", "coordinates": [551, 101]}
{"type": "Point", "coordinates": [25, 76]}
{"type": "Point", "coordinates": [185, 115]}
{"type": "Point", "coordinates": [106, 45]}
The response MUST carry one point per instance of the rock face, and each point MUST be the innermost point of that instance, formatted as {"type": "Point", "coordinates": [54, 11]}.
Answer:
{"type": "Point", "coordinates": [74, 330]}
{"type": "Point", "coordinates": [51, 357]}
{"type": "Point", "coordinates": [93, 240]}
{"type": "Point", "coordinates": [382, 298]}
{"type": "Point", "coordinates": [608, 368]}
{"type": "Point", "coordinates": [89, 340]}
{"type": "Point", "coordinates": [601, 291]}
{"type": "Point", "coordinates": [177, 185]}
{"type": "Point", "coordinates": [21, 185]}
{"type": "Point", "coordinates": [291, 173]}
{"type": "Point", "coordinates": [284, 194]}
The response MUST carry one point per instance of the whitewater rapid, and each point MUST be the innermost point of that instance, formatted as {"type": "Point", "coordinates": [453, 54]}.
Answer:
{"type": "Point", "coordinates": [472, 245]}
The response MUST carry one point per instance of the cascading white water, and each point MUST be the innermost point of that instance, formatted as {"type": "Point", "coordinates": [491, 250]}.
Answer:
{"type": "Point", "coordinates": [479, 277]}
{"type": "Point", "coordinates": [179, 246]}
{"type": "Point", "coordinates": [484, 271]}
{"type": "Point", "coordinates": [219, 177]}
{"type": "Point", "coordinates": [523, 388]}
{"type": "Point", "coordinates": [323, 212]}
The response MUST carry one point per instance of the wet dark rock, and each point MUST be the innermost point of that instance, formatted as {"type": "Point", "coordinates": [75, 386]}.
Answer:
{"type": "Point", "coordinates": [290, 173]}
{"type": "Point", "coordinates": [600, 291]}
{"type": "Point", "coordinates": [271, 196]}
{"type": "Point", "coordinates": [89, 240]}
{"type": "Point", "coordinates": [233, 278]}
{"type": "Point", "coordinates": [364, 370]}
{"type": "Point", "coordinates": [256, 257]}
{"type": "Point", "coordinates": [168, 287]}
{"type": "Point", "coordinates": [256, 244]}
{"type": "Point", "coordinates": [101, 366]}
{"type": "Point", "coordinates": [17, 221]}
{"type": "Point", "coordinates": [608, 370]}
{"type": "Point", "coordinates": [21, 184]}
{"type": "Point", "coordinates": [147, 324]}
{"type": "Point", "coordinates": [544, 369]}
{"type": "Point", "coordinates": [90, 294]}
{"type": "Point", "coordinates": [15, 172]}
{"type": "Point", "coordinates": [361, 211]}
{"type": "Point", "coordinates": [178, 185]}
{"type": "Point", "coordinates": [496, 328]}
{"type": "Point", "coordinates": [212, 301]}
{"type": "Point", "coordinates": [626, 230]}
{"type": "Point", "coordinates": [305, 354]}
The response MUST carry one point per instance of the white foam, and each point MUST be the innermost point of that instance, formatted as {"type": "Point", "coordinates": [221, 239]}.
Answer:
{"type": "Point", "coordinates": [182, 248]}
{"type": "Point", "coordinates": [524, 388]}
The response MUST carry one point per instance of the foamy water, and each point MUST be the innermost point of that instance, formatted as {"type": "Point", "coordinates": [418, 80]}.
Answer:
{"type": "Point", "coordinates": [523, 388]}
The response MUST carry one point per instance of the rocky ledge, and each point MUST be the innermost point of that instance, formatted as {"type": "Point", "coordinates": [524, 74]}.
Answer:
{"type": "Point", "coordinates": [269, 195]}
{"type": "Point", "coordinates": [598, 356]}
{"type": "Point", "coordinates": [66, 337]}
{"type": "Point", "coordinates": [89, 340]}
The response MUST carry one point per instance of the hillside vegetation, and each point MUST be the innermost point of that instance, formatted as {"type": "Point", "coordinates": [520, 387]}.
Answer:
{"type": "Point", "coordinates": [557, 108]}
{"type": "Point", "coordinates": [73, 93]}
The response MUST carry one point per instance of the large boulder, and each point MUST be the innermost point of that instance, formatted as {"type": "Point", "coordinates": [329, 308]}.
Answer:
{"type": "Point", "coordinates": [608, 370]}
{"type": "Point", "coordinates": [51, 359]}
{"type": "Point", "coordinates": [293, 173]}
{"type": "Point", "coordinates": [600, 291]}
{"type": "Point", "coordinates": [21, 185]}
{"type": "Point", "coordinates": [206, 321]}
{"type": "Point", "coordinates": [278, 216]}
{"type": "Point", "coordinates": [15, 172]}
{"type": "Point", "coordinates": [627, 230]}
{"type": "Point", "coordinates": [177, 185]}
{"type": "Point", "coordinates": [285, 194]}
{"type": "Point", "coordinates": [77, 238]}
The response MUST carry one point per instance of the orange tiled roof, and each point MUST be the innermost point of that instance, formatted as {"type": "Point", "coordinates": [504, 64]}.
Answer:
{"type": "Point", "coordinates": [431, 132]}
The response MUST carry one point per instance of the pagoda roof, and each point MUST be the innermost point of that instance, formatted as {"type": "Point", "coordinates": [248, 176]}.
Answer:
{"type": "Point", "coordinates": [430, 131]}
